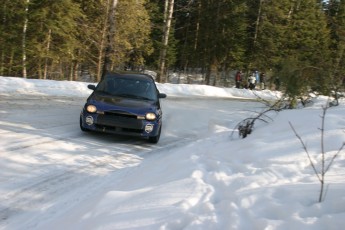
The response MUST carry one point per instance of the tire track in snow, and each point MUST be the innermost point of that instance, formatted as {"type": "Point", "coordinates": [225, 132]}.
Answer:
{"type": "Point", "coordinates": [99, 160]}
{"type": "Point", "coordinates": [61, 187]}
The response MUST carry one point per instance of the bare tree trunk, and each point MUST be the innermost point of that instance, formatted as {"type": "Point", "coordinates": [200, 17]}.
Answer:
{"type": "Point", "coordinates": [168, 12]}
{"type": "Point", "coordinates": [257, 23]}
{"type": "Point", "coordinates": [71, 71]}
{"type": "Point", "coordinates": [102, 45]}
{"type": "Point", "coordinates": [323, 171]}
{"type": "Point", "coordinates": [25, 27]}
{"type": "Point", "coordinates": [39, 68]}
{"type": "Point", "coordinates": [195, 42]}
{"type": "Point", "coordinates": [75, 72]}
{"type": "Point", "coordinates": [197, 28]}
{"type": "Point", "coordinates": [109, 50]}
{"type": "Point", "coordinates": [47, 53]}
{"type": "Point", "coordinates": [61, 70]}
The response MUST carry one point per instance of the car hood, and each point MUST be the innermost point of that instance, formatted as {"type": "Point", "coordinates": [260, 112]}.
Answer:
{"type": "Point", "coordinates": [105, 102]}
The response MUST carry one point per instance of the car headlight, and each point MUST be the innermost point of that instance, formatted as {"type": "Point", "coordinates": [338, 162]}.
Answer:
{"type": "Point", "coordinates": [91, 108]}
{"type": "Point", "coordinates": [150, 116]}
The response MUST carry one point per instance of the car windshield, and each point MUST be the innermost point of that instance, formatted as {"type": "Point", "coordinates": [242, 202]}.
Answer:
{"type": "Point", "coordinates": [127, 87]}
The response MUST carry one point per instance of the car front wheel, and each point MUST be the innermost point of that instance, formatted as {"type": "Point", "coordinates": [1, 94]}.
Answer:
{"type": "Point", "coordinates": [81, 126]}
{"type": "Point", "coordinates": [155, 139]}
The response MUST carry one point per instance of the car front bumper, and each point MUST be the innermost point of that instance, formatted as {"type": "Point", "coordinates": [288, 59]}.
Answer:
{"type": "Point", "coordinates": [122, 124]}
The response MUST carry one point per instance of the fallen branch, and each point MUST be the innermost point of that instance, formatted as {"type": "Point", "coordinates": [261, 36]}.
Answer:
{"type": "Point", "coordinates": [246, 126]}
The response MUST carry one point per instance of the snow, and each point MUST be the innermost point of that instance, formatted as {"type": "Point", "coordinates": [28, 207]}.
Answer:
{"type": "Point", "coordinates": [199, 176]}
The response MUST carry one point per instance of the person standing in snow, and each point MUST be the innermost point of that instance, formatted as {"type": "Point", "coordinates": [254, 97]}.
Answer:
{"type": "Point", "coordinates": [252, 81]}
{"type": "Point", "coordinates": [238, 79]}
{"type": "Point", "coordinates": [257, 77]}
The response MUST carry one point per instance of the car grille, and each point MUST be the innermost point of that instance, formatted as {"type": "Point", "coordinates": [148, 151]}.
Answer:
{"type": "Point", "coordinates": [120, 122]}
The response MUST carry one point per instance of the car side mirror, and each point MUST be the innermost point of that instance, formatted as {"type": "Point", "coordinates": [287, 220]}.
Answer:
{"type": "Point", "coordinates": [93, 87]}
{"type": "Point", "coordinates": [162, 95]}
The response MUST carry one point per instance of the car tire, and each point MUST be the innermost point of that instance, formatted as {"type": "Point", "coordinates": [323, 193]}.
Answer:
{"type": "Point", "coordinates": [155, 139]}
{"type": "Point", "coordinates": [81, 126]}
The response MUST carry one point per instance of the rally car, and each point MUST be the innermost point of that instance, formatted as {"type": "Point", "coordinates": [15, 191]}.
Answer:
{"type": "Point", "coordinates": [125, 104]}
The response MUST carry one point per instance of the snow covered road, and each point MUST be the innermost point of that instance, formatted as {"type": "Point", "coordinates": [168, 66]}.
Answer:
{"type": "Point", "coordinates": [53, 176]}
{"type": "Point", "coordinates": [51, 166]}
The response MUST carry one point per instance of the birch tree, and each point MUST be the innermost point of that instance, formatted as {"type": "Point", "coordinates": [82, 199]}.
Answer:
{"type": "Point", "coordinates": [25, 27]}
{"type": "Point", "coordinates": [168, 12]}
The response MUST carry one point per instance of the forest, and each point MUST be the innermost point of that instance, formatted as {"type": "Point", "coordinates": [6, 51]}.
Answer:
{"type": "Point", "coordinates": [300, 41]}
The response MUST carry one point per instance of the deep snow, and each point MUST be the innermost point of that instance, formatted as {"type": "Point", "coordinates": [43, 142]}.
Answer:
{"type": "Point", "coordinates": [199, 176]}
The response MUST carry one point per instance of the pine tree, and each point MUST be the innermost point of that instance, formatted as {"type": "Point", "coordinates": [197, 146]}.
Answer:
{"type": "Point", "coordinates": [308, 43]}
{"type": "Point", "coordinates": [94, 27]}
{"type": "Point", "coordinates": [335, 11]}
{"type": "Point", "coordinates": [268, 21]}
{"type": "Point", "coordinates": [293, 39]}
{"type": "Point", "coordinates": [57, 36]}
{"type": "Point", "coordinates": [213, 38]}
{"type": "Point", "coordinates": [11, 16]}
{"type": "Point", "coordinates": [132, 39]}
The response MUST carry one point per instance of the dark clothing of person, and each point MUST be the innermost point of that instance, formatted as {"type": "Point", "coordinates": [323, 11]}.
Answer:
{"type": "Point", "coordinates": [238, 79]}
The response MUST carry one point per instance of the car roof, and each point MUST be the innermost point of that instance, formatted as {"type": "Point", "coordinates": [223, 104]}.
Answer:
{"type": "Point", "coordinates": [136, 76]}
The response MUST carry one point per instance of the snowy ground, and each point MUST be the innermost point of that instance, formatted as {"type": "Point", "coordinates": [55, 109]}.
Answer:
{"type": "Point", "coordinates": [198, 176]}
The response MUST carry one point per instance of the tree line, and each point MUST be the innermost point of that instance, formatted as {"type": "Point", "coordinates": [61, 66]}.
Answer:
{"type": "Point", "coordinates": [300, 41]}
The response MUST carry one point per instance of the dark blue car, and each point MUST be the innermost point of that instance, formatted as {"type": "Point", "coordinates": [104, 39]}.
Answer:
{"type": "Point", "coordinates": [125, 104]}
